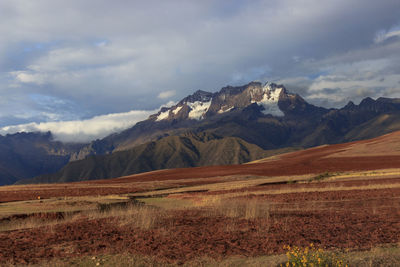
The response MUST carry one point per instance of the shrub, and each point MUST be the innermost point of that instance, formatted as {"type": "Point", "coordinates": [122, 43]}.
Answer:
{"type": "Point", "coordinates": [320, 177]}
{"type": "Point", "coordinates": [311, 256]}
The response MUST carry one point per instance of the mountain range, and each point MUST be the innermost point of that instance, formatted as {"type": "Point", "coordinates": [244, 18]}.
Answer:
{"type": "Point", "coordinates": [232, 126]}
{"type": "Point", "coordinates": [26, 155]}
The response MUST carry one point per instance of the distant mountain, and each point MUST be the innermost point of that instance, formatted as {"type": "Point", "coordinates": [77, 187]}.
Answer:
{"type": "Point", "coordinates": [259, 114]}
{"type": "Point", "coordinates": [253, 119]}
{"type": "Point", "coordinates": [187, 150]}
{"type": "Point", "coordinates": [26, 155]}
{"type": "Point", "coordinates": [382, 152]}
{"type": "Point", "coordinates": [369, 119]}
{"type": "Point", "coordinates": [266, 115]}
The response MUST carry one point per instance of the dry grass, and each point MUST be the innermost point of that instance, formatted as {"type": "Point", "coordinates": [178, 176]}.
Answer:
{"type": "Point", "coordinates": [384, 173]}
{"type": "Point", "coordinates": [379, 256]}
{"type": "Point", "coordinates": [146, 216]}
{"type": "Point", "coordinates": [244, 182]}
{"type": "Point", "coordinates": [58, 186]}
{"type": "Point", "coordinates": [252, 181]}
{"type": "Point", "coordinates": [241, 211]}
{"type": "Point", "coordinates": [122, 182]}
{"type": "Point", "coordinates": [65, 204]}
{"type": "Point", "coordinates": [17, 224]}
{"type": "Point", "coordinates": [130, 260]}
{"type": "Point", "coordinates": [226, 204]}
{"type": "Point", "coordinates": [210, 198]}
{"type": "Point", "coordinates": [169, 203]}
{"type": "Point", "coordinates": [241, 208]}
{"type": "Point", "coordinates": [140, 216]}
{"type": "Point", "coordinates": [143, 217]}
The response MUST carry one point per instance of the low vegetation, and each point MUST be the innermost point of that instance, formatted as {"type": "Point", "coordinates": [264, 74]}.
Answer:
{"type": "Point", "coordinates": [312, 256]}
{"type": "Point", "coordinates": [127, 212]}
{"type": "Point", "coordinates": [212, 225]}
{"type": "Point", "coordinates": [379, 256]}
{"type": "Point", "coordinates": [320, 177]}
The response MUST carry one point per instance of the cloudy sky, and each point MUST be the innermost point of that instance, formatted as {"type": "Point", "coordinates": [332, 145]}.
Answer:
{"type": "Point", "coordinates": [103, 65]}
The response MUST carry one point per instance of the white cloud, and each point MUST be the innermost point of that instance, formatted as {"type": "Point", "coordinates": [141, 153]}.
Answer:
{"type": "Point", "coordinates": [28, 77]}
{"type": "Point", "coordinates": [107, 57]}
{"type": "Point", "coordinates": [383, 36]}
{"type": "Point", "coordinates": [166, 94]}
{"type": "Point", "coordinates": [354, 81]}
{"type": "Point", "coordinates": [83, 130]}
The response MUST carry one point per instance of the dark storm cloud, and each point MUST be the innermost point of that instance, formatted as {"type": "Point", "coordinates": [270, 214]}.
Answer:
{"type": "Point", "coordinates": [108, 57]}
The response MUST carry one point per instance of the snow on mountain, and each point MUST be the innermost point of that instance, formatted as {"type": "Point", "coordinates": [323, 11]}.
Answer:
{"type": "Point", "coordinates": [176, 110]}
{"type": "Point", "coordinates": [163, 115]}
{"type": "Point", "coordinates": [198, 109]}
{"type": "Point", "coordinates": [225, 109]}
{"type": "Point", "coordinates": [270, 100]}
{"type": "Point", "coordinates": [203, 104]}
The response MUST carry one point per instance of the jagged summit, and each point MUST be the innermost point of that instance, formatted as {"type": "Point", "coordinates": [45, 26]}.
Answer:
{"type": "Point", "coordinates": [227, 121]}
{"type": "Point", "coordinates": [201, 104]}
{"type": "Point", "coordinates": [199, 95]}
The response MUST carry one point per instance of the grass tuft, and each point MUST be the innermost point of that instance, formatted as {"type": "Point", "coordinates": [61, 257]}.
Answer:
{"type": "Point", "coordinates": [320, 177]}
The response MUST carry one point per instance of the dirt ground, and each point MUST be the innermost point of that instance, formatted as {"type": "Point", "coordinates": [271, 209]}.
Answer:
{"type": "Point", "coordinates": [339, 219]}
{"type": "Point", "coordinates": [353, 214]}
{"type": "Point", "coordinates": [311, 161]}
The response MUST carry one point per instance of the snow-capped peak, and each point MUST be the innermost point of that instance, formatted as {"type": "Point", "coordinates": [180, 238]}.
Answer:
{"type": "Point", "coordinates": [273, 91]}
{"type": "Point", "coordinates": [269, 101]}
{"type": "Point", "coordinates": [198, 96]}
{"type": "Point", "coordinates": [202, 104]}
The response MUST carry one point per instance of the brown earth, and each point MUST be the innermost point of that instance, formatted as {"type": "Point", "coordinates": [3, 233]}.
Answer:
{"type": "Point", "coordinates": [352, 156]}
{"type": "Point", "coordinates": [345, 222]}
{"type": "Point", "coordinates": [281, 187]}
{"type": "Point", "coordinates": [355, 214]}
{"type": "Point", "coordinates": [92, 188]}
{"type": "Point", "coordinates": [19, 193]}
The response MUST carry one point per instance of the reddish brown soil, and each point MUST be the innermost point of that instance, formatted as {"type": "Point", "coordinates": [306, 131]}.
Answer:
{"type": "Point", "coordinates": [352, 219]}
{"type": "Point", "coordinates": [87, 188]}
{"type": "Point", "coordinates": [316, 160]}
{"type": "Point", "coordinates": [70, 190]}
{"type": "Point", "coordinates": [357, 219]}
{"type": "Point", "coordinates": [332, 185]}
{"type": "Point", "coordinates": [287, 165]}
{"type": "Point", "coordinates": [43, 216]}
{"type": "Point", "coordinates": [336, 195]}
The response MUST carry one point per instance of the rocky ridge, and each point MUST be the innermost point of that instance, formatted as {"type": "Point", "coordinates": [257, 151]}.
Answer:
{"type": "Point", "coordinates": [265, 117]}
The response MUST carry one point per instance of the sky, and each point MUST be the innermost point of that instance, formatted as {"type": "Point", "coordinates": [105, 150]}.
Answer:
{"type": "Point", "coordinates": [84, 69]}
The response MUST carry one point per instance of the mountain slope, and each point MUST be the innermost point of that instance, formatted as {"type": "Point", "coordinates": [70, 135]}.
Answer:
{"type": "Point", "coordinates": [269, 111]}
{"type": "Point", "coordinates": [26, 155]}
{"type": "Point", "coordinates": [265, 115]}
{"type": "Point", "coordinates": [235, 113]}
{"type": "Point", "coordinates": [369, 119]}
{"type": "Point", "coordinates": [189, 150]}
{"type": "Point", "coordinates": [382, 152]}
